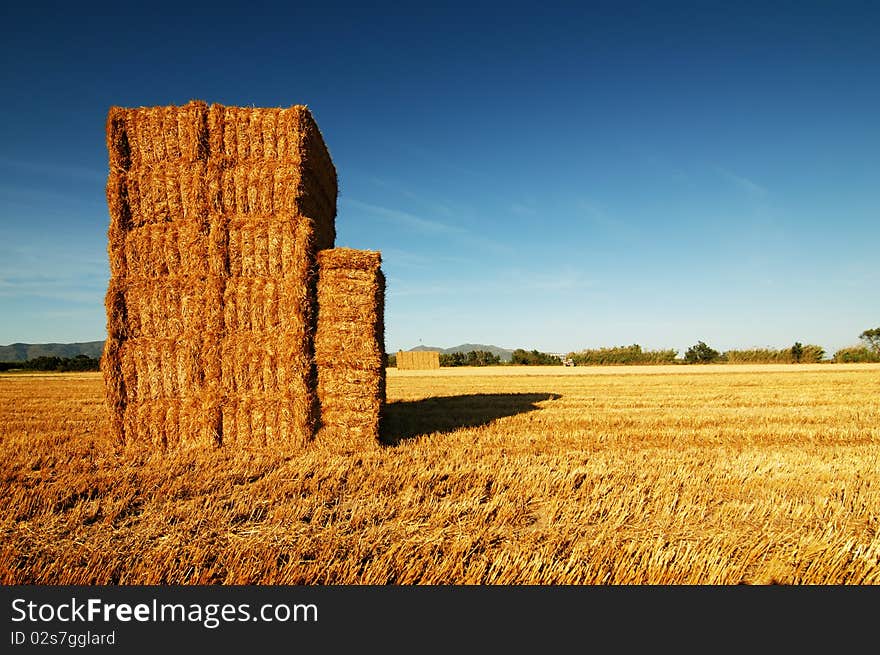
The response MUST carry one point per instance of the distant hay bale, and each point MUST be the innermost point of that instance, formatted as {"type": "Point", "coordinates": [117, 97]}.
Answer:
{"type": "Point", "coordinates": [350, 346]}
{"type": "Point", "coordinates": [418, 359]}
{"type": "Point", "coordinates": [216, 217]}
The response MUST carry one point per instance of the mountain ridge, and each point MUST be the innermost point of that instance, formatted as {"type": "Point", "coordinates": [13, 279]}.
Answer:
{"type": "Point", "coordinates": [22, 352]}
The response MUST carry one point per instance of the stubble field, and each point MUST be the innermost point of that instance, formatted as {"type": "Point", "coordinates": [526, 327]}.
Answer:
{"type": "Point", "coordinates": [527, 475]}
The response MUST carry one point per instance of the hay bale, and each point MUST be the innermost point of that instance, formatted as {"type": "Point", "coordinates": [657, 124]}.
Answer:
{"type": "Point", "coordinates": [418, 359]}
{"type": "Point", "coordinates": [216, 217]}
{"type": "Point", "coordinates": [164, 424]}
{"type": "Point", "coordinates": [350, 346]}
{"type": "Point", "coordinates": [274, 161]}
{"type": "Point", "coordinates": [258, 421]}
{"type": "Point", "coordinates": [140, 137]}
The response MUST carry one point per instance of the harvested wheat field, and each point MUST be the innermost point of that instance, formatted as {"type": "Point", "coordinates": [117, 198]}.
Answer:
{"type": "Point", "coordinates": [530, 475]}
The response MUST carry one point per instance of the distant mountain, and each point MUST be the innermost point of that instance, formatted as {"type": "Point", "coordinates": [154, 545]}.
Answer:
{"type": "Point", "coordinates": [504, 353]}
{"type": "Point", "coordinates": [21, 352]}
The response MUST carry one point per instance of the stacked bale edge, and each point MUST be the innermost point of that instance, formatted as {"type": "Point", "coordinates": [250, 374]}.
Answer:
{"type": "Point", "coordinates": [350, 346]}
{"type": "Point", "coordinates": [216, 216]}
{"type": "Point", "coordinates": [161, 358]}
{"type": "Point", "coordinates": [418, 359]}
{"type": "Point", "coordinates": [273, 187]}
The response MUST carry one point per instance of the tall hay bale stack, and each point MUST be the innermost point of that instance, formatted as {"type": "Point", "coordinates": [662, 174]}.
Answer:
{"type": "Point", "coordinates": [420, 360]}
{"type": "Point", "coordinates": [216, 216]}
{"type": "Point", "coordinates": [350, 346]}
{"type": "Point", "coordinates": [161, 360]}
{"type": "Point", "coordinates": [273, 186]}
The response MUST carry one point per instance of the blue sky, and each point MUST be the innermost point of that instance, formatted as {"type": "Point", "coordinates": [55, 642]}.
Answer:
{"type": "Point", "coordinates": [556, 178]}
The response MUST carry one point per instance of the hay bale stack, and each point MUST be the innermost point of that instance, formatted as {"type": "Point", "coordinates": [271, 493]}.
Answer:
{"type": "Point", "coordinates": [418, 359]}
{"type": "Point", "coordinates": [162, 357]}
{"type": "Point", "coordinates": [273, 186]}
{"type": "Point", "coordinates": [216, 217]}
{"type": "Point", "coordinates": [350, 346]}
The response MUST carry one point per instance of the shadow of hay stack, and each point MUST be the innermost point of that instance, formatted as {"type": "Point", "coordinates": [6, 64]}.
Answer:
{"type": "Point", "coordinates": [408, 419]}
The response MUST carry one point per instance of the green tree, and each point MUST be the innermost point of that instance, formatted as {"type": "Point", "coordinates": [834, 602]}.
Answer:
{"type": "Point", "coordinates": [856, 354]}
{"type": "Point", "coordinates": [481, 358]}
{"type": "Point", "coordinates": [797, 351]}
{"type": "Point", "coordinates": [813, 353]}
{"type": "Point", "coordinates": [533, 358]}
{"type": "Point", "coordinates": [872, 338]}
{"type": "Point", "coordinates": [700, 353]}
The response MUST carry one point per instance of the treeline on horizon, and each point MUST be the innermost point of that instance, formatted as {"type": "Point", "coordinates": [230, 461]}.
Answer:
{"type": "Point", "coordinates": [699, 353]}
{"type": "Point", "coordinates": [53, 363]}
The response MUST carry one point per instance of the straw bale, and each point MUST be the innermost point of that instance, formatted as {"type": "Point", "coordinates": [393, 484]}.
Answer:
{"type": "Point", "coordinates": [263, 363]}
{"type": "Point", "coordinates": [114, 386]}
{"type": "Point", "coordinates": [269, 190]}
{"type": "Point", "coordinates": [171, 306]}
{"type": "Point", "coordinates": [117, 311]}
{"type": "Point", "coordinates": [168, 423]}
{"type": "Point", "coordinates": [116, 252]}
{"type": "Point", "coordinates": [350, 346]}
{"type": "Point", "coordinates": [118, 147]}
{"type": "Point", "coordinates": [118, 207]}
{"type": "Point", "coordinates": [143, 136]}
{"type": "Point", "coordinates": [418, 359]}
{"type": "Point", "coordinates": [167, 249]}
{"type": "Point", "coordinates": [163, 392]}
{"type": "Point", "coordinates": [263, 304]}
{"type": "Point", "coordinates": [167, 191]}
{"type": "Point", "coordinates": [259, 134]}
{"type": "Point", "coordinates": [281, 421]}
{"type": "Point", "coordinates": [187, 366]}
{"type": "Point", "coordinates": [272, 247]}
{"type": "Point", "coordinates": [285, 149]}
{"type": "Point", "coordinates": [218, 246]}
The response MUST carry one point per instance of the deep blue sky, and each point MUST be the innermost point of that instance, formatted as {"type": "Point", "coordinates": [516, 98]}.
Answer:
{"type": "Point", "coordinates": [554, 178]}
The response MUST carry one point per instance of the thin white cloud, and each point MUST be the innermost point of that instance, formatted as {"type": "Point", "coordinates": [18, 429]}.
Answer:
{"type": "Point", "coordinates": [429, 155]}
{"type": "Point", "coordinates": [407, 259]}
{"type": "Point", "coordinates": [750, 187]}
{"type": "Point", "coordinates": [54, 170]}
{"type": "Point", "coordinates": [567, 279]}
{"type": "Point", "coordinates": [432, 206]}
{"type": "Point", "coordinates": [405, 219]}
{"type": "Point", "coordinates": [49, 271]}
{"type": "Point", "coordinates": [428, 204]}
{"type": "Point", "coordinates": [522, 210]}
{"type": "Point", "coordinates": [84, 290]}
{"type": "Point", "coordinates": [397, 288]}
{"type": "Point", "coordinates": [498, 282]}
{"type": "Point", "coordinates": [600, 218]}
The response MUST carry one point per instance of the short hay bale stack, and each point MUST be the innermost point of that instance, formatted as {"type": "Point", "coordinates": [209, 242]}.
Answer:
{"type": "Point", "coordinates": [418, 359]}
{"type": "Point", "coordinates": [350, 346]}
{"type": "Point", "coordinates": [216, 217]}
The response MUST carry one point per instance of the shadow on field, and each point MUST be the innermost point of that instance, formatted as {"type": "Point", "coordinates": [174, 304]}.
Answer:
{"type": "Point", "coordinates": [408, 419]}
